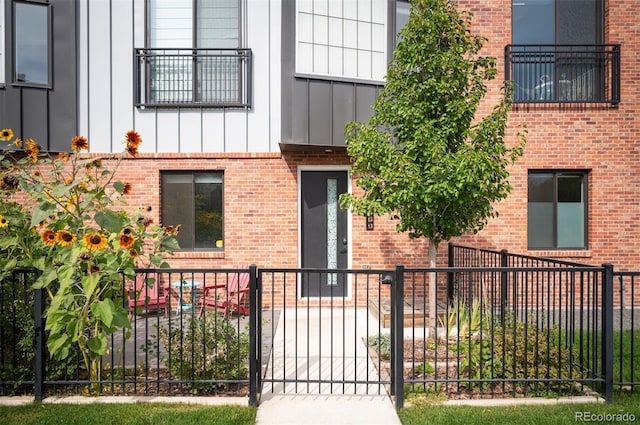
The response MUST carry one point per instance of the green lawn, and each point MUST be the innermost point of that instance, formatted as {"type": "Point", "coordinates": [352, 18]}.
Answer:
{"type": "Point", "coordinates": [126, 414]}
{"type": "Point", "coordinates": [526, 415]}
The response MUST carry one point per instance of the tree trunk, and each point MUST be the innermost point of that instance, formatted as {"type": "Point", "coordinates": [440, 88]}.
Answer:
{"type": "Point", "coordinates": [433, 319]}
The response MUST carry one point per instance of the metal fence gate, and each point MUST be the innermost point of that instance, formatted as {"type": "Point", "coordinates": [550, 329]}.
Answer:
{"type": "Point", "coordinates": [320, 345]}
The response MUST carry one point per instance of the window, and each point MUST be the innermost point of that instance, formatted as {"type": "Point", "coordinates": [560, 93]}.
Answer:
{"type": "Point", "coordinates": [557, 210]}
{"type": "Point", "coordinates": [194, 52]}
{"type": "Point", "coordinates": [194, 201]}
{"type": "Point", "coordinates": [31, 48]}
{"type": "Point", "coordinates": [343, 38]}
{"type": "Point", "coordinates": [557, 52]}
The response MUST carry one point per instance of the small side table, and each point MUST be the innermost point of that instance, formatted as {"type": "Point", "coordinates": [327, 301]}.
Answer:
{"type": "Point", "coordinates": [180, 286]}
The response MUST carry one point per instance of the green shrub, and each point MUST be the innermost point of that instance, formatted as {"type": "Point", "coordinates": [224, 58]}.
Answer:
{"type": "Point", "coordinates": [381, 343]}
{"type": "Point", "coordinates": [210, 348]}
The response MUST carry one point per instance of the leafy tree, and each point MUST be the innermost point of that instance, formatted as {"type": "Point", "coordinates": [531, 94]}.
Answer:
{"type": "Point", "coordinates": [424, 157]}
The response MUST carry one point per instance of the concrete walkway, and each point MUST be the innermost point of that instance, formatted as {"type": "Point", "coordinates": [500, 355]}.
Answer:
{"type": "Point", "coordinates": [314, 348]}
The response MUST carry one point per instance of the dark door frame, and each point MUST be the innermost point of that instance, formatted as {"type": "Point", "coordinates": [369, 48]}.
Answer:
{"type": "Point", "coordinates": [327, 168]}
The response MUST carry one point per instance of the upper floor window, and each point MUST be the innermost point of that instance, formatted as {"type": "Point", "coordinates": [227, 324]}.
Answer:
{"type": "Point", "coordinates": [557, 210]}
{"type": "Point", "coordinates": [194, 201]}
{"type": "Point", "coordinates": [31, 43]}
{"type": "Point", "coordinates": [557, 52]}
{"type": "Point", "coordinates": [343, 38]}
{"type": "Point", "coordinates": [193, 55]}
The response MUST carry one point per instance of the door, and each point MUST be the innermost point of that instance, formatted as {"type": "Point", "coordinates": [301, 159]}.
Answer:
{"type": "Point", "coordinates": [324, 232]}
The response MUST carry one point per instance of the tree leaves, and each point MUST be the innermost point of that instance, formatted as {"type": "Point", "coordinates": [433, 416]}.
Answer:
{"type": "Point", "coordinates": [424, 157]}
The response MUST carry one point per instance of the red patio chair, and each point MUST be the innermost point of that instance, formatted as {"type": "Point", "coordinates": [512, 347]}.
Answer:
{"type": "Point", "coordinates": [145, 293]}
{"type": "Point", "coordinates": [229, 297]}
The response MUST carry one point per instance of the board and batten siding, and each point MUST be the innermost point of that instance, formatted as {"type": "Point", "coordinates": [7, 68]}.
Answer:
{"type": "Point", "coordinates": [110, 30]}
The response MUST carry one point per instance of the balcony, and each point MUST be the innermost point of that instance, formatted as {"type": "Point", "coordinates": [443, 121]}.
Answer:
{"type": "Point", "coordinates": [196, 78]}
{"type": "Point", "coordinates": [564, 73]}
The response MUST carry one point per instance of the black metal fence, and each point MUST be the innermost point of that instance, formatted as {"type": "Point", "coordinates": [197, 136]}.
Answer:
{"type": "Point", "coordinates": [564, 73]}
{"type": "Point", "coordinates": [505, 325]}
{"type": "Point", "coordinates": [174, 346]}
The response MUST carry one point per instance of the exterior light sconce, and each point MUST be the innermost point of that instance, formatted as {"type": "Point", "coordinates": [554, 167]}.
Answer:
{"type": "Point", "coordinates": [369, 218]}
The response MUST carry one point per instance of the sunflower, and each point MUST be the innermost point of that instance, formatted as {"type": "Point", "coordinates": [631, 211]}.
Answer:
{"type": "Point", "coordinates": [133, 150]}
{"type": "Point", "coordinates": [133, 138]}
{"type": "Point", "coordinates": [32, 150]}
{"type": "Point", "coordinates": [126, 240]}
{"type": "Point", "coordinates": [48, 237]}
{"type": "Point", "coordinates": [79, 143]}
{"type": "Point", "coordinates": [63, 156]}
{"type": "Point", "coordinates": [65, 238]}
{"type": "Point", "coordinates": [18, 142]}
{"type": "Point", "coordinates": [6, 134]}
{"type": "Point", "coordinates": [133, 253]}
{"type": "Point", "coordinates": [95, 241]}
{"type": "Point", "coordinates": [126, 189]}
{"type": "Point", "coordinates": [4, 222]}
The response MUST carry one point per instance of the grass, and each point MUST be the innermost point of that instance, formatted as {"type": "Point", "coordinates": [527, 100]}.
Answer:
{"type": "Point", "coordinates": [126, 414]}
{"type": "Point", "coordinates": [522, 415]}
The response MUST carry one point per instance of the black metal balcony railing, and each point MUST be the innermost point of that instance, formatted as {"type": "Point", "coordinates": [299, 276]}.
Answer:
{"type": "Point", "coordinates": [214, 78]}
{"type": "Point", "coordinates": [564, 73]}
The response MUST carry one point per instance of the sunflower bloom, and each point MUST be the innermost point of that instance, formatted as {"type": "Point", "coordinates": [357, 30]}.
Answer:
{"type": "Point", "coordinates": [32, 150]}
{"type": "Point", "coordinates": [132, 150]}
{"type": "Point", "coordinates": [48, 237]}
{"type": "Point", "coordinates": [4, 222]}
{"type": "Point", "coordinates": [133, 138]}
{"type": "Point", "coordinates": [95, 241]}
{"type": "Point", "coordinates": [126, 189]}
{"type": "Point", "coordinates": [18, 142]}
{"type": "Point", "coordinates": [126, 240]}
{"type": "Point", "coordinates": [133, 253]}
{"type": "Point", "coordinates": [79, 143]}
{"type": "Point", "coordinates": [63, 156]}
{"type": "Point", "coordinates": [65, 238]}
{"type": "Point", "coordinates": [6, 134]}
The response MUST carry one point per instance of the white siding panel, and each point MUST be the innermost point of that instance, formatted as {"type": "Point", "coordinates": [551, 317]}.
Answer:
{"type": "Point", "coordinates": [145, 124]}
{"type": "Point", "coordinates": [83, 75]}
{"type": "Point", "coordinates": [139, 35]}
{"type": "Point", "coordinates": [275, 71]}
{"type": "Point", "coordinates": [121, 70]}
{"type": "Point", "coordinates": [190, 130]}
{"type": "Point", "coordinates": [100, 77]}
{"type": "Point", "coordinates": [168, 134]}
{"type": "Point", "coordinates": [213, 131]}
{"type": "Point", "coordinates": [235, 127]}
{"type": "Point", "coordinates": [259, 38]}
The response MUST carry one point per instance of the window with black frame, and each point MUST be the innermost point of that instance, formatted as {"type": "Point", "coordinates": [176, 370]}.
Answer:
{"type": "Point", "coordinates": [31, 21]}
{"type": "Point", "coordinates": [193, 52]}
{"type": "Point", "coordinates": [557, 53]}
{"type": "Point", "coordinates": [194, 202]}
{"type": "Point", "coordinates": [557, 210]}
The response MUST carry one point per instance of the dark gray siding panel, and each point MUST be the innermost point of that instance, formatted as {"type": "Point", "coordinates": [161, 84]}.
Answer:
{"type": "Point", "coordinates": [35, 107]}
{"type": "Point", "coordinates": [298, 114]}
{"type": "Point", "coordinates": [365, 96]}
{"type": "Point", "coordinates": [47, 115]}
{"type": "Point", "coordinates": [320, 112]}
{"type": "Point", "coordinates": [343, 110]}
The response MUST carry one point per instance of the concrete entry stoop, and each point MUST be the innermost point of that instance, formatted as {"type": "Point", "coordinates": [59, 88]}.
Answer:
{"type": "Point", "coordinates": [319, 371]}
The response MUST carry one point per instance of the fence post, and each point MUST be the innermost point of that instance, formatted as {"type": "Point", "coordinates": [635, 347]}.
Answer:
{"type": "Point", "coordinates": [254, 338]}
{"type": "Point", "coordinates": [40, 348]}
{"type": "Point", "coordinates": [451, 264]}
{"type": "Point", "coordinates": [397, 331]}
{"type": "Point", "coordinates": [504, 262]}
{"type": "Point", "coordinates": [607, 331]}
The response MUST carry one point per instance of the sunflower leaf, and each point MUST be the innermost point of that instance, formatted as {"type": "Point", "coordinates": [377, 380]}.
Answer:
{"type": "Point", "coordinates": [109, 220]}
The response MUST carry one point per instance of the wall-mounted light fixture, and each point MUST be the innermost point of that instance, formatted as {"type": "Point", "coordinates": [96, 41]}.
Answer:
{"type": "Point", "coordinates": [369, 218]}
